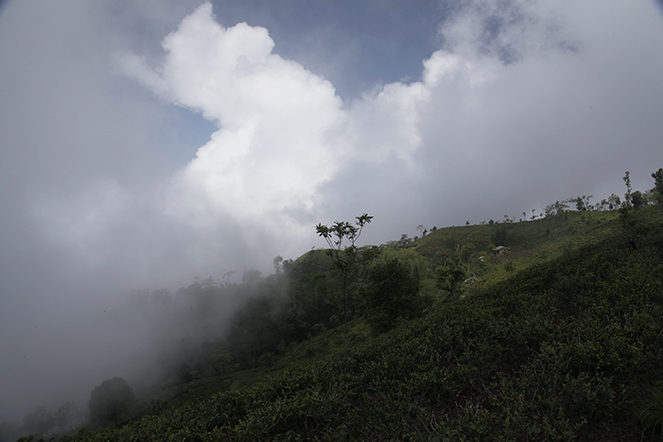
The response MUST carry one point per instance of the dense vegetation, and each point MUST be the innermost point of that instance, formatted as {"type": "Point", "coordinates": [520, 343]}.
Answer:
{"type": "Point", "coordinates": [558, 338]}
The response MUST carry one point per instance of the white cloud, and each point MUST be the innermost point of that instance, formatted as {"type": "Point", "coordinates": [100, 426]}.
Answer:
{"type": "Point", "coordinates": [278, 138]}
{"type": "Point", "coordinates": [509, 30]}
{"type": "Point", "coordinates": [494, 125]}
{"type": "Point", "coordinates": [545, 109]}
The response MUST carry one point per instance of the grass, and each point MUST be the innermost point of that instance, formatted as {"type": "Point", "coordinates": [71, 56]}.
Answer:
{"type": "Point", "coordinates": [650, 411]}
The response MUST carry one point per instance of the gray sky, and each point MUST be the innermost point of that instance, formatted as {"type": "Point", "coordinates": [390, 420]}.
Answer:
{"type": "Point", "coordinates": [148, 142]}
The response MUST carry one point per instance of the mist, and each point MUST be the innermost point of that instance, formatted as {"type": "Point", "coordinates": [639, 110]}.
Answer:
{"type": "Point", "coordinates": [145, 144]}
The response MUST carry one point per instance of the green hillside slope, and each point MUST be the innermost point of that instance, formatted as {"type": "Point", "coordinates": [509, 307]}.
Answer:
{"type": "Point", "coordinates": [565, 344]}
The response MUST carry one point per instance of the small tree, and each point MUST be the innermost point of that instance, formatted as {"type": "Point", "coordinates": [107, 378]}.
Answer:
{"type": "Point", "coordinates": [627, 196]}
{"type": "Point", "coordinates": [348, 262]}
{"type": "Point", "coordinates": [65, 415]}
{"type": "Point", "coordinates": [251, 275]}
{"type": "Point", "coordinates": [278, 266]}
{"type": "Point", "coordinates": [39, 421]}
{"type": "Point", "coordinates": [638, 199]}
{"type": "Point", "coordinates": [110, 401]}
{"type": "Point", "coordinates": [582, 203]}
{"type": "Point", "coordinates": [556, 212]}
{"type": "Point", "coordinates": [392, 293]}
{"type": "Point", "coordinates": [226, 277]}
{"type": "Point", "coordinates": [613, 202]}
{"type": "Point", "coordinates": [499, 235]}
{"type": "Point", "coordinates": [451, 275]}
{"type": "Point", "coordinates": [658, 184]}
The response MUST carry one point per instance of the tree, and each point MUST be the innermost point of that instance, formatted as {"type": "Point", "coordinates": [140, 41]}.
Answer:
{"type": "Point", "coordinates": [347, 262]}
{"type": "Point", "coordinates": [226, 277]}
{"type": "Point", "coordinates": [613, 202]}
{"type": "Point", "coordinates": [627, 196]}
{"type": "Point", "coordinates": [451, 275]}
{"type": "Point", "coordinates": [249, 276]}
{"type": "Point", "coordinates": [582, 203]}
{"type": "Point", "coordinates": [658, 183]}
{"type": "Point", "coordinates": [638, 199]}
{"type": "Point", "coordinates": [498, 237]}
{"type": "Point", "coordinates": [110, 401]}
{"type": "Point", "coordinates": [66, 414]}
{"type": "Point", "coordinates": [39, 421]}
{"type": "Point", "coordinates": [404, 241]}
{"type": "Point", "coordinates": [555, 211]}
{"type": "Point", "coordinates": [391, 294]}
{"type": "Point", "coordinates": [278, 266]}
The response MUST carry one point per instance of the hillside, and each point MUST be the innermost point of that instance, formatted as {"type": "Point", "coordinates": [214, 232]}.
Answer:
{"type": "Point", "coordinates": [564, 344]}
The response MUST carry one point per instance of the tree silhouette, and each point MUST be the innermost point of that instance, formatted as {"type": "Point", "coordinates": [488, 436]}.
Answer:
{"type": "Point", "coordinates": [110, 401]}
{"type": "Point", "coordinates": [39, 421]}
{"type": "Point", "coordinates": [392, 293]}
{"type": "Point", "coordinates": [658, 183]}
{"type": "Point", "coordinates": [348, 262]}
{"type": "Point", "coordinates": [450, 276]}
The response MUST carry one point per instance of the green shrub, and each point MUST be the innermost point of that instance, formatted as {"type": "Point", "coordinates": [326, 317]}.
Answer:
{"type": "Point", "coordinates": [650, 411]}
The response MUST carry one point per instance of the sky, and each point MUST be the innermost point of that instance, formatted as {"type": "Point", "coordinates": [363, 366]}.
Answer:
{"type": "Point", "coordinates": [144, 143]}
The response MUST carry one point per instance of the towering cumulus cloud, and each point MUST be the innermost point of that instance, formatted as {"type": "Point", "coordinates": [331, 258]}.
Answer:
{"type": "Point", "coordinates": [278, 136]}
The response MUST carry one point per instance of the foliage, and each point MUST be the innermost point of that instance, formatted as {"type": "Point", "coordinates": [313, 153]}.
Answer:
{"type": "Point", "coordinates": [556, 212]}
{"type": "Point", "coordinates": [391, 295]}
{"type": "Point", "coordinates": [451, 275]}
{"type": "Point", "coordinates": [39, 421]}
{"type": "Point", "coordinates": [650, 411]}
{"type": "Point", "coordinates": [566, 347]}
{"type": "Point", "coordinates": [249, 276]}
{"type": "Point", "coordinates": [499, 235]}
{"type": "Point", "coordinates": [638, 199]}
{"type": "Point", "coordinates": [110, 401]}
{"type": "Point", "coordinates": [65, 415]}
{"type": "Point", "coordinates": [348, 262]}
{"type": "Point", "coordinates": [561, 351]}
{"type": "Point", "coordinates": [582, 203]}
{"type": "Point", "coordinates": [658, 183]}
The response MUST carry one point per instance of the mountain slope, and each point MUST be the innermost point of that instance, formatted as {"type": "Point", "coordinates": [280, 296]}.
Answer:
{"type": "Point", "coordinates": [568, 349]}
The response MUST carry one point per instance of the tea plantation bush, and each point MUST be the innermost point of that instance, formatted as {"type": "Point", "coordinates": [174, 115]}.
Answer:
{"type": "Point", "coordinates": [563, 351]}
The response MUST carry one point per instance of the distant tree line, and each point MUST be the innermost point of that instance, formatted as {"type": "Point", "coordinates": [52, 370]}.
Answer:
{"type": "Point", "coordinates": [41, 422]}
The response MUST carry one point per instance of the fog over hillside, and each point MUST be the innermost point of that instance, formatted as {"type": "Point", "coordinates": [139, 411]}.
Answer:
{"type": "Point", "coordinates": [147, 143]}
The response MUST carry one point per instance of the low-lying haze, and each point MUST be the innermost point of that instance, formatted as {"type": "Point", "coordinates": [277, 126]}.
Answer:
{"type": "Point", "coordinates": [145, 143]}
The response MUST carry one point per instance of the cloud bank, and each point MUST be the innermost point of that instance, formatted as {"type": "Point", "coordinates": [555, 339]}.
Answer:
{"type": "Point", "coordinates": [520, 107]}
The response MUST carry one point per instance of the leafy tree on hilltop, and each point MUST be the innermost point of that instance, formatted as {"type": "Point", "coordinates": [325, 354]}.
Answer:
{"type": "Point", "coordinates": [613, 202]}
{"type": "Point", "coordinates": [556, 212]}
{"type": "Point", "coordinates": [638, 199]}
{"type": "Point", "coordinates": [278, 265]}
{"type": "Point", "coordinates": [628, 198]}
{"type": "Point", "coordinates": [582, 203]}
{"type": "Point", "coordinates": [347, 262]}
{"type": "Point", "coordinates": [110, 401]}
{"type": "Point", "coordinates": [658, 183]}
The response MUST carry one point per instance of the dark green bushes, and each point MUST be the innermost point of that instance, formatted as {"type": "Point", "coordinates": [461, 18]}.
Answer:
{"type": "Point", "coordinates": [391, 295]}
{"type": "Point", "coordinates": [566, 350]}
